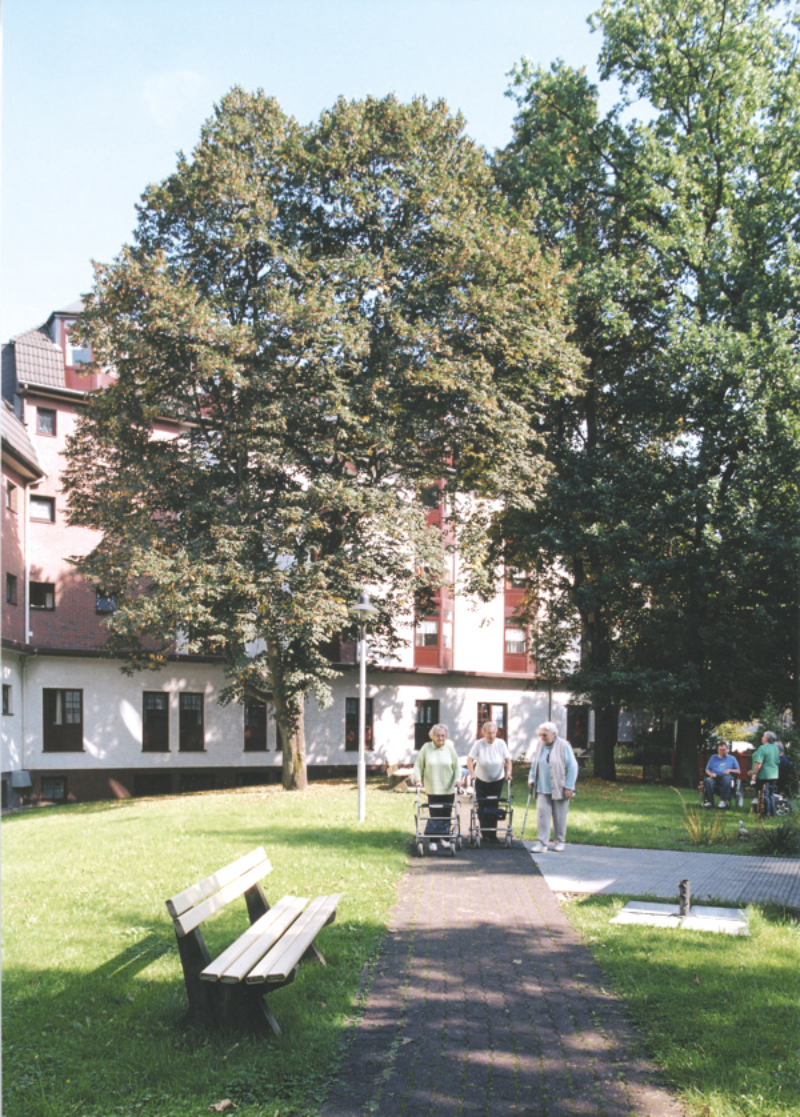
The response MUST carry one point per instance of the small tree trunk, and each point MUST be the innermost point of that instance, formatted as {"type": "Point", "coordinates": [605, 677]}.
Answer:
{"type": "Point", "coordinates": [293, 737]}
{"type": "Point", "coordinates": [687, 746]}
{"type": "Point", "coordinates": [289, 714]}
{"type": "Point", "coordinates": [605, 740]}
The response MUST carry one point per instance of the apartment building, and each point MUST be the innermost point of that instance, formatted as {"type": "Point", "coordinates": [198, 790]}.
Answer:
{"type": "Point", "coordinates": [76, 728]}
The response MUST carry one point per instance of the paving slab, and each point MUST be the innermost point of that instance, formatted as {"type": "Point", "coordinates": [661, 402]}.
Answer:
{"type": "Point", "coordinates": [728, 878]}
{"type": "Point", "coordinates": [485, 1001]}
{"type": "Point", "coordinates": [721, 921]}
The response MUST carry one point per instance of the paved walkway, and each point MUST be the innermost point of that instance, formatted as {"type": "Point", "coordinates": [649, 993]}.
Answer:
{"type": "Point", "coordinates": [726, 877]}
{"type": "Point", "coordinates": [485, 1002]}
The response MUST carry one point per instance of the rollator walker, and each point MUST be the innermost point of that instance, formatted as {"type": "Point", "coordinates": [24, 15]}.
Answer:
{"type": "Point", "coordinates": [438, 829]}
{"type": "Point", "coordinates": [497, 809]}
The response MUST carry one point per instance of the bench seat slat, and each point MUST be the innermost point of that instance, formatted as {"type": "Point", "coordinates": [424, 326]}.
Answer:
{"type": "Point", "coordinates": [279, 962]}
{"type": "Point", "coordinates": [234, 964]}
{"type": "Point", "coordinates": [198, 892]}
{"type": "Point", "coordinates": [197, 915]}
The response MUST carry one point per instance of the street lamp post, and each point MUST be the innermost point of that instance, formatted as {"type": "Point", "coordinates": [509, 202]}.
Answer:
{"type": "Point", "coordinates": [364, 610]}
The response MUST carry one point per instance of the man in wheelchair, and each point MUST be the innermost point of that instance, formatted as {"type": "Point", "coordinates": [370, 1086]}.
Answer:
{"type": "Point", "coordinates": [721, 775]}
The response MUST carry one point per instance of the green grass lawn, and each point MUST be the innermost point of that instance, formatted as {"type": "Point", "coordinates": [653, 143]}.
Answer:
{"type": "Point", "coordinates": [93, 994]}
{"type": "Point", "coordinates": [720, 1016]}
{"type": "Point", "coordinates": [643, 816]}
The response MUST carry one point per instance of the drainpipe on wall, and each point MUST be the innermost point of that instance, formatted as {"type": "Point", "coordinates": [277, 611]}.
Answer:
{"type": "Point", "coordinates": [27, 621]}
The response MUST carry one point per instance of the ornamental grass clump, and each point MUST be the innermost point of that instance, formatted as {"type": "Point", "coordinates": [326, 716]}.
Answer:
{"type": "Point", "coordinates": [704, 827]}
{"type": "Point", "coordinates": [782, 840]}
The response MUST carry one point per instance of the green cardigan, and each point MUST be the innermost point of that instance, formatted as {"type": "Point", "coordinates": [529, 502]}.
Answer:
{"type": "Point", "coordinates": [437, 769]}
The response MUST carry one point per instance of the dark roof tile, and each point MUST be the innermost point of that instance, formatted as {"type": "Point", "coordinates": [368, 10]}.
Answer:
{"type": "Point", "coordinates": [38, 359]}
{"type": "Point", "coordinates": [15, 437]}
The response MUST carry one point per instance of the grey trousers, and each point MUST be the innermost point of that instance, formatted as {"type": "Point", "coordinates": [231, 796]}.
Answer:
{"type": "Point", "coordinates": [550, 810]}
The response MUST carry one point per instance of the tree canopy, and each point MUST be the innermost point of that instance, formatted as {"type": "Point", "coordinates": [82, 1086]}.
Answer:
{"type": "Point", "coordinates": [311, 324]}
{"type": "Point", "coordinates": [671, 508]}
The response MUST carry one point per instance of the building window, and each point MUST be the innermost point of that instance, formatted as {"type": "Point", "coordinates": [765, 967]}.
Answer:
{"type": "Point", "coordinates": [63, 720]}
{"type": "Point", "coordinates": [43, 595]}
{"type": "Point", "coordinates": [43, 509]}
{"type": "Point", "coordinates": [54, 789]}
{"type": "Point", "coordinates": [7, 698]}
{"type": "Point", "coordinates": [46, 421]}
{"type": "Point", "coordinates": [427, 715]}
{"type": "Point", "coordinates": [516, 638]}
{"type": "Point", "coordinates": [11, 496]}
{"type": "Point", "coordinates": [496, 712]}
{"type": "Point", "coordinates": [427, 634]}
{"type": "Point", "coordinates": [155, 721]}
{"type": "Point", "coordinates": [255, 726]}
{"type": "Point", "coordinates": [192, 728]}
{"type": "Point", "coordinates": [104, 602]}
{"type": "Point", "coordinates": [11, 589]}
{"type": "Point", "coordinates": [76, 354]}
{"type": "Point", "coordinates": [351, 724]}
{"type": "Point", "coordinates": [516, 579]}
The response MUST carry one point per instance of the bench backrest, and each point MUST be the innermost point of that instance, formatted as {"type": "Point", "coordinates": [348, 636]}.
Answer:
{"type": "Point", "coordinates": [195, 904]}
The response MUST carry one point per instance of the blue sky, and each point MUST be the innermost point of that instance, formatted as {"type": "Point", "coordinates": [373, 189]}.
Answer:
{"type": "Point", "coordinates": [99, 95]}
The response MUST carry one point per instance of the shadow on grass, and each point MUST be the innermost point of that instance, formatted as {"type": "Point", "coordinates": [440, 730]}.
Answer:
{"type": "Point", "coordinates": [689, 993]}
{"type": "Point", "coordinates": [115, 1039]}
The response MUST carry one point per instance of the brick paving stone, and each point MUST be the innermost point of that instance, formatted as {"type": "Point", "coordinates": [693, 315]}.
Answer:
{"type": "Point", "coordinates": [501, 1004]}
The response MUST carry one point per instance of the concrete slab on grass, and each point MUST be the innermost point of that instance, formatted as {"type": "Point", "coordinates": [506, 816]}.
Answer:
{"type": "Point", "coordinates": [721, 921]}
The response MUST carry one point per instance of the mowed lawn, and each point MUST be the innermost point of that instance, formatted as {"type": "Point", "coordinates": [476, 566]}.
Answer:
{"type": "Point", "coordinates": [93, 995]}
{"type": "Point", "coordinates": [639, 815]}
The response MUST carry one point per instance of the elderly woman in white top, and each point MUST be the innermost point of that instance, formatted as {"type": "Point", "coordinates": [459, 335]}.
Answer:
{"type": "Point", "coordinates": [553, 774]}
{"type": "Point", "coordinates": [489, 763]}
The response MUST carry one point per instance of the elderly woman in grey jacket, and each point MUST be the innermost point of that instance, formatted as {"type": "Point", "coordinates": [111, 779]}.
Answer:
{"type": "Point", "coordinates": [554, 771]}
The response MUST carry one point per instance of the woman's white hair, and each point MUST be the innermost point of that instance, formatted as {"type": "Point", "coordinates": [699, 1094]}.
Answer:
{"type": "Point", "coordinates": [550, 726]}
{"type": "Point", "coordinates": [437, 729]}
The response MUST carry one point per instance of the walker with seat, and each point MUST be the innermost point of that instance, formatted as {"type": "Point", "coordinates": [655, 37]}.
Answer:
{"type": "Point", "coordinates": [435, 832]}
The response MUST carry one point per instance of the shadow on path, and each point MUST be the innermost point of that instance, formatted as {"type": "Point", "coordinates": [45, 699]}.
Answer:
{"type": "Point", "coordinates": [485, 1001]}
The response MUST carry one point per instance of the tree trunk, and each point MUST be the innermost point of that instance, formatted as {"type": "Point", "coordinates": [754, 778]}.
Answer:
{"type": "Point", "coordinates": [293, 739]}
{"type": "Point", "coordinates": [289, 715]}
{"type": "Point", "coordinates": [687, 746]}
{"type": "Point", "coordinates": [605, 740]}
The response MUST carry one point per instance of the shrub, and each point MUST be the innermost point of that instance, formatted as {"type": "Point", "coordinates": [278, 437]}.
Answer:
{"type": "Point", "coordinates": [782, 840]}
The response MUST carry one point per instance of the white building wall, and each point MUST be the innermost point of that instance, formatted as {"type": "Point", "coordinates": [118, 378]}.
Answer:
{"type": "Point", "coordinates": [112, 716]}
{"type": "Point", "coordinates": [112, 708]}
{"type": "Point", "coordinates": [12, 728]}
{"type": "Point", "coordinates": [395, 695]}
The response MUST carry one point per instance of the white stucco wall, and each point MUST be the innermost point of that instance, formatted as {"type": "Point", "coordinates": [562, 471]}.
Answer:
{"type": "Point", "coordinates": [12, 726]}
{"type": "Point", "coordinates": [112, 716]}
{"type": "Point", "coordinates": [112, 705]}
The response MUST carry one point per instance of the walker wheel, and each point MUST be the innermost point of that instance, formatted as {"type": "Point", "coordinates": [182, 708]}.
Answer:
{"type": "Point", "coordinates": [459, 842]}
{"type": "Point", "coordinates": [452, 849]}
{"type": "Point", "coordinates": [420, 849]}
{"type": "Point", "coordinates": [477, 841]}
{"type": "Point", "coordinates": [508, 841]}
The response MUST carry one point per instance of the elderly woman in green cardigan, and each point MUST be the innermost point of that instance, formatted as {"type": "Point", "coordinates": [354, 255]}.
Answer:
{"type": "Point", "coordinates": [437, 770]}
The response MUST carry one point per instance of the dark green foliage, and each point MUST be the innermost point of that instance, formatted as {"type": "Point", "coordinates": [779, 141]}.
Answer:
{"type": "Point", "coordinates": [333, 316]}
{"type": "Point", "coordinates": [781, 840]}
{"type": "Point", "coordinates": [672, 507]}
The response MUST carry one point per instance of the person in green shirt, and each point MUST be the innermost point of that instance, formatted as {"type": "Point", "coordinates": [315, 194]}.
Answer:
{"type": "Point", "coordinates": [438, 769]}
{"type": "Point", "coordinates": [766, 759]}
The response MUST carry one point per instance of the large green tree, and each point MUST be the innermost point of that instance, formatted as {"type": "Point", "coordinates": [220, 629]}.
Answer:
{"type": "Point", "coordinates": [311, 324]}
{"type": "Point", "coordinates": [673, 502]}
{"type": "Point", "coordinates": [583, 533]}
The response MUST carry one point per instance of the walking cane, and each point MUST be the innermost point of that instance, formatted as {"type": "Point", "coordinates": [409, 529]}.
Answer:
{"type": "Point", "coordinates": [525, 819]}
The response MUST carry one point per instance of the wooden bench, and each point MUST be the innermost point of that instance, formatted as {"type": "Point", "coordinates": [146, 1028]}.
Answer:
{"type": "Point", "coordinates": [228, 991]}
